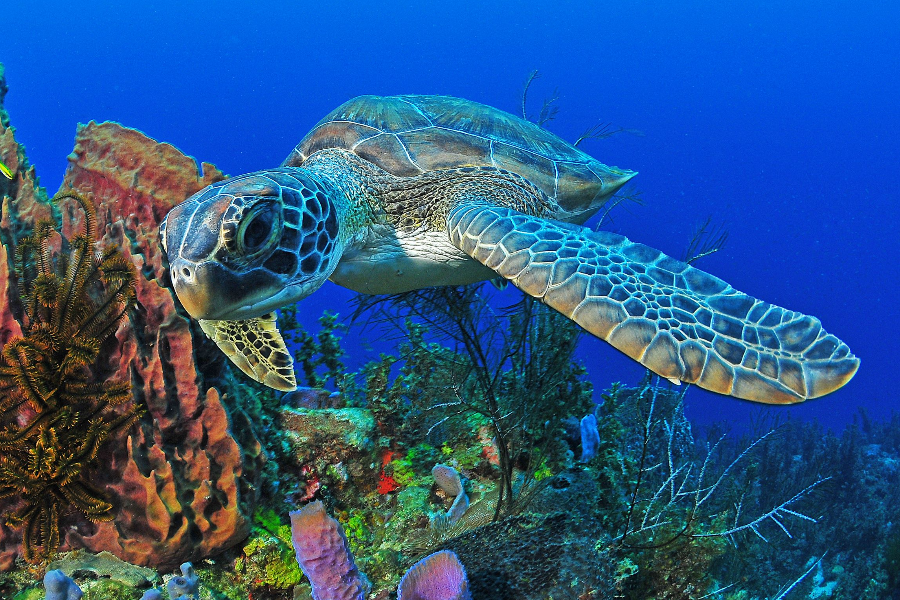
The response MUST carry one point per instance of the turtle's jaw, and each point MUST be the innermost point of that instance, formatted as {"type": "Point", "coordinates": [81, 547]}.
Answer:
{"type": "Point", "coordinates": [287, 295]}
{"type": "Point", "coordinates": [210, 292]}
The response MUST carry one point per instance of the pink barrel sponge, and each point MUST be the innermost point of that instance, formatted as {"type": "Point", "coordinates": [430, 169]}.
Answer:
{"type": "Point", "coordinates": [439, 576]}
{"type": "Point", "coordinates": [324, 556]}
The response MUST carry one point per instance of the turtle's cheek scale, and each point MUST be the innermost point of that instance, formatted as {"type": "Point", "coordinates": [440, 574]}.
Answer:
{"type": "Point", "coordinates": [311, 232]}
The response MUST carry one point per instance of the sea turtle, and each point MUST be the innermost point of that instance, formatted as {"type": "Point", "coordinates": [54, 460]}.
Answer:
{"type": "Point", "coordinates": [390, 194]}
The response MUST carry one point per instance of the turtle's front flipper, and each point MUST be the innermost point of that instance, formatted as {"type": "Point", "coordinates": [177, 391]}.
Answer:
{"type": "Point", "coordinates": [257, 348]}
{"type": "Point", "coordinates": [676, 320]}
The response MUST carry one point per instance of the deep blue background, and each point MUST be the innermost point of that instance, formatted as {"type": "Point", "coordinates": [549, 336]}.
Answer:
{"type": "Point", "coordinates": [779, 118]}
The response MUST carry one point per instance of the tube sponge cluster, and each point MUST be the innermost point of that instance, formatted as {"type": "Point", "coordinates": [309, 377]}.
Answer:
{"type": "Point", "coordinates": [324, 556]}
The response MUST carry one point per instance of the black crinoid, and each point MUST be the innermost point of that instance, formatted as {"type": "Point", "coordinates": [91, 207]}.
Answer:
{"type": "Point", "coordinates": [55, 413]}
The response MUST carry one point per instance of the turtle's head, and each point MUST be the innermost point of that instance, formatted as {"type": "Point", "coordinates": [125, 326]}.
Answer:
{"type": "Point", "coordinates": [245, 246]}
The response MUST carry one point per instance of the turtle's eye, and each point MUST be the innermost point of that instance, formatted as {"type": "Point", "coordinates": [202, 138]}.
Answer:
{"type": "Point", "coordinates": [259, 229]}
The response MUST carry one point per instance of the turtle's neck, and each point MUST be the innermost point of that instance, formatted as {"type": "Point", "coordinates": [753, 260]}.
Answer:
{"type": "Point", "coordinates": [355, 183]}
{"type": "Point", "coordinates": [372, 195]}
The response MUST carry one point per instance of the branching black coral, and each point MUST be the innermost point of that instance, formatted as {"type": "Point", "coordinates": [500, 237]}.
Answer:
{"type": "Point", "coordinates": [54, 413]}
{"type": "Point", "coordinates": [516, 371]}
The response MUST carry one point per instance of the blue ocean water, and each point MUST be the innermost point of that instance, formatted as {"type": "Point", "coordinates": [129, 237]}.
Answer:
{"type": "Point", "coordinates": [779, 119]}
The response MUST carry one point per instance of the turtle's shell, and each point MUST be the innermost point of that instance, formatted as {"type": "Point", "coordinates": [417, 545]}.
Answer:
{"type": "Point", "coordinates": [407, 135]}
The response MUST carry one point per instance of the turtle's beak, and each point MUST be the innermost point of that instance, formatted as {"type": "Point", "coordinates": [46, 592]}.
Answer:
{"type": "Point", "coordinates": [191, 283]}
{"type": "Point", "coordinates": [210, 292]}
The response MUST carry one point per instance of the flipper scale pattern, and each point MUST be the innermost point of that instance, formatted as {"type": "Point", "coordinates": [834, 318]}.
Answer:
{"type": "Point", "coordinates": [675, 319]}
{"type": "Point", "coordinates": [256, 347]}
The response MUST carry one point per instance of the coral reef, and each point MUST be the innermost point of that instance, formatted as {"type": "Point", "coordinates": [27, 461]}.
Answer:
{"type": "Point", "coordinates": [56, 410]}
{"type": "Point", "coordinates": [184, 482]}
{"type": "Point", "coordinates": [177, 477]}
{"type": "Point", "coordinates": [515, 375]}
{"type": "Point", "coordinates": [472, 394]}
{"type": "Point", "coordinates": [333, 445]}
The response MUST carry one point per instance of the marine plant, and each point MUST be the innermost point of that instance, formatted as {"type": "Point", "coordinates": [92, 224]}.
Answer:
{"type": "Point", "coordinates": [514, 369]}
{"type": "Point", "coordinates": [56, 410]}
{"type": "Point", "coordinates": [676, 506]}
{"type": "Point", "coordinates": [319, 356]}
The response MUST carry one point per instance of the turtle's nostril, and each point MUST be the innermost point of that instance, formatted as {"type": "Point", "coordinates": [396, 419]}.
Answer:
{"type": "Point", "coordinates": [186, 272]}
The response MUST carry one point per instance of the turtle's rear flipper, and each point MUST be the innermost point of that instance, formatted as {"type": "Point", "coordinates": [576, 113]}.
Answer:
{"type": "Point", "coordinates": [678, 321]}
{"type": "Point", "coordinates": [256, 347]}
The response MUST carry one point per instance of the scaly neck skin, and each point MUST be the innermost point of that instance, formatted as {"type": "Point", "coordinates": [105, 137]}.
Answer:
{"type": "Point", "coordinates": [354, 183]}
{"type": "Point", "coordinates": [395, 228]}
{"type": "Point", "coordinates": [370, 195]}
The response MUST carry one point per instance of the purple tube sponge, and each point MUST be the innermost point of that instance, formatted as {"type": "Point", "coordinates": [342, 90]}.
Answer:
{"type": "Point", "coordinates": [324, 556]}
{"type": "Point", "coordinates": [59, 586]}
{"type": "Point", "coordinates": [447, 478]}
{"type": "Point", "coordinates": [439, 576]}
{"type": "Point", "coordinates": [590, 438]}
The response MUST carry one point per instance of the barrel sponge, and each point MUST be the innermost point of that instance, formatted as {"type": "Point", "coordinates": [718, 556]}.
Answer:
{"type": "Point", "coordinates": [439, 576]}
{"type": "Point", "coordinates": [324, 555]}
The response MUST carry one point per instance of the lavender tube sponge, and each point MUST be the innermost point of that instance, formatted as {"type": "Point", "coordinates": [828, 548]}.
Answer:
{"type": "Point", "coordinates": [185, 586]}
{"type": "Point", "coordinates": [59, 586]}
{"type": "Point", "coordinates": [324, 556]}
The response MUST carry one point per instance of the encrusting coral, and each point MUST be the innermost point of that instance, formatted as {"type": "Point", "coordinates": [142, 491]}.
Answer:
{"type": "Point", "coordinates": [56, 413]}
